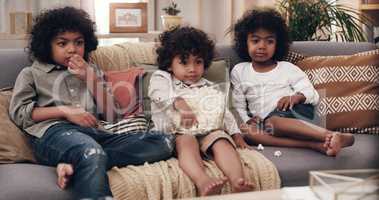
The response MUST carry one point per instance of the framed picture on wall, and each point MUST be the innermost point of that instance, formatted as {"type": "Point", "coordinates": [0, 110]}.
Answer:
{"type": "Point", "coordinates": [128, 17]}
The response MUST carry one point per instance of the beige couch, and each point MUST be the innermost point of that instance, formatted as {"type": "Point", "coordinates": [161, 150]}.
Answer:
{"type": "Point", "coordinates": [164, 180]}
{"type": "Point", "coordinates": [160, 180]}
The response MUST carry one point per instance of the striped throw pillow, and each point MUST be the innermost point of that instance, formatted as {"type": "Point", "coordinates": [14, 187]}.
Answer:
{"type": "Point", "coordinates": [134, 123]}
{"type": "Point", "coordinates": [349, 89]}
{"type": "Point", "coordinates": [293, 57]}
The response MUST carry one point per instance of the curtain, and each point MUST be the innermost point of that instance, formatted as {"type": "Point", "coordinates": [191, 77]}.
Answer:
{"type": "Point", "coordinates": [3, 20]}
{"type": "Point", "coordinates": [35, 6]}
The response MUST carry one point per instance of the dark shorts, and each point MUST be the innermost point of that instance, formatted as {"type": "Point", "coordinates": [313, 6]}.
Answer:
{"type": "Point", "coordinates": [304, 112]}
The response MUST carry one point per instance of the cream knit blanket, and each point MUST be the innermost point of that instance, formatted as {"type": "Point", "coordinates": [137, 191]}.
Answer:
{"type": "Point", "coordinates": [125, 55]}
{"type": "Point", "coordinates": [165, 180]}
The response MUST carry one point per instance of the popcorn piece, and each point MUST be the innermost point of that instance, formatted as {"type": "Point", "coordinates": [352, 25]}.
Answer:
{"type": "Point", "coordinates": [260, 147]}
{"type": "Point", "coordinates": [277, 153]}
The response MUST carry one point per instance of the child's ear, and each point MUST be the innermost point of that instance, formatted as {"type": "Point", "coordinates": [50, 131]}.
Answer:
{"type": "Point", "coordinates": [169, 69]}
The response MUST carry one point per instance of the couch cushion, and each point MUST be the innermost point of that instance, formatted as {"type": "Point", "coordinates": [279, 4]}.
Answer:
{"type": "Point", "coordinates": [14, 146]}
{"type": "Point", "coordinates": [349, 90]}
{"type": "Point", "coordinates": [293, 57]}
{"type": "Point", "coordinates": [12, 61]}
{"type": "Point", "coordinates": [218, 71]}
{"type": "Point", "coordinates": [30, 181]}
{"type": "Point", "coordinates": [159, 180]}
{"type": "Point", "coordinates": [294, 164]}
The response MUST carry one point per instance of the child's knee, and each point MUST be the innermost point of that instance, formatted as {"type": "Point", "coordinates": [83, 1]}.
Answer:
{"type": "Point", "coordinates": [222, 143]}
{"type": "Point", "coordinates": [272, 120]}
{"type": "Point", "coordinates": [186, 139]}
{"type": "Point", "coordinates": [167, 144]}
{"type": "Point", "coordinates": [88, 154]}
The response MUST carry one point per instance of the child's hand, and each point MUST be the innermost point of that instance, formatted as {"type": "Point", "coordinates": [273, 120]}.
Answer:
{"type": "Point", "coordinates": [255, 121]}
{"type": "Point", "coordinates": [244, 127]}
{"type": "Point", "coordinates": [240, 142]}
{"type": "Point", "coordinates": [187, 117]}
{"type": "Point", "coordinates": [80, 117]}
{"type": "Point", "coordinates": [253, 125]}
{"type": "Point", "coordinates": [288, 102]}
{"type": "Point", "coordinates": [78, 66]}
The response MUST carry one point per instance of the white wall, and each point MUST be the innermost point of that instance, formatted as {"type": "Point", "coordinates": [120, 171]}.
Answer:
{"type": "Point", "coordinates": [215, 17]}
{"type": "Point", "coordinates": [3, 20]}
{"type": "Point", "coordinates": [33, 6]}
{"type": "Point", "coordinates": [212, 16]}
{"type": "Point", "coordinates": [217, 22]}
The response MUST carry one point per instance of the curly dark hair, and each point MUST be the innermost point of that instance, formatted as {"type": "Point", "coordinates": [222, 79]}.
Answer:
{"type": "Point", "coordinates": [268, 19]}
{"type": "Point", "coordinates": [50, 23]}
{"type": "Point", "coordinates": [184, 41]}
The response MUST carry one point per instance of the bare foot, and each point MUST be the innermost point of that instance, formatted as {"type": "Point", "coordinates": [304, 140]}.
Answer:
{"type": "Point", "coordinates": [64, 172]}
{"type": "Point", "coordinates": [319, 146]}
{"type": "Point", "coordinates": [328, 138]}
{"type": "Point", "coordinates": [242, 185]}
{"type": "Point", "coordinates": [335, 145]}
{"type": "Point", "coordinates": [210, 186]}
{"type": "Point", "coordinates": [338, 141]}
{"type": "Point", "coordinates": [347, 139]}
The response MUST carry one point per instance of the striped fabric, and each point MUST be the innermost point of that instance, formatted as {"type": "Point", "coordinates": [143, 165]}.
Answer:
{"type": "Point", "coordinates": [370, 130]}
{"type": "Point", "coordinates": [349, 89]}
{"type": "Point", "coordinates": [293, 57]}
{"type": "Point", "coordinates": [131, 124]}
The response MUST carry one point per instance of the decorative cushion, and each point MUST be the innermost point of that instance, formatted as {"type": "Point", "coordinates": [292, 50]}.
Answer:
{"type": "Point", "coordinates": [293, 57]}
{"type": "Point", "coordinates": [218, 71]}
{"type": "Point", "coordinates": [14, 146]}
{"type": "Point", "coordinates": [349, 89]}
{"type": "Point", "coordinates": [125, 88]}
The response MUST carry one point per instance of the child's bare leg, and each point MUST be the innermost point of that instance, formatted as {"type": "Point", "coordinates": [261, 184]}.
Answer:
{"type": "Point", "coordinates": [190, 161]}
{"type": "Point", "coordinates": [270, 140]}
{"type": "Point", "coordinates": [228, 160]}
{"type": "Point", "coordinates": [64, 172]}
{"type": "Point", "coordinates": [301, 129]}
{"type": "Point", "coordinates": [297, 128]}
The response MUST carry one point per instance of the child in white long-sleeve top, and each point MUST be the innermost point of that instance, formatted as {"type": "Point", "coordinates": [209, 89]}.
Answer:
{"type": "Point", "coordinates": [273, 96]}
{"type": "Point", "coordinates": [185, 53]}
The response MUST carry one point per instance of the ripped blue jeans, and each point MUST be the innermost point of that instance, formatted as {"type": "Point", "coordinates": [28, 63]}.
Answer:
{"type": "Point", "coordinates": [92, 152]}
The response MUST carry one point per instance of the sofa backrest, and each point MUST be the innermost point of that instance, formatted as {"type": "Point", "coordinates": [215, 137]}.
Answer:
{"type": "Point", "coordinates": [307, 48]}
{"type": "Point", "coordinates": [13, 60]}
